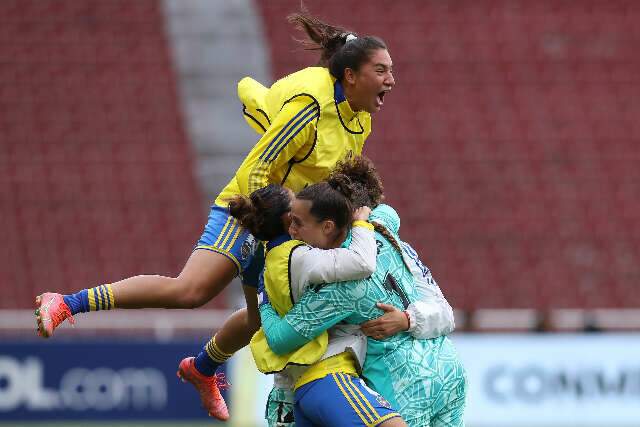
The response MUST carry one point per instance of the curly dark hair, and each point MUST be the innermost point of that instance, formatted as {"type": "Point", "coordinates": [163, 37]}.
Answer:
{"type": "Point", "coordinates": [261, 212]}
{"type": "Point", "coordinates": [361, 177]}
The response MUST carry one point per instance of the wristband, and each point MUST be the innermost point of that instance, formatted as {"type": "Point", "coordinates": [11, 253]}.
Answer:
{"type": "Point", "coordinates": [406, 313]}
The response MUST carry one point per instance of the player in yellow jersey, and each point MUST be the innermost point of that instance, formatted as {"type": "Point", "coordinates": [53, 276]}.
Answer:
{"type": "Point", "coordinates": [308, 120]}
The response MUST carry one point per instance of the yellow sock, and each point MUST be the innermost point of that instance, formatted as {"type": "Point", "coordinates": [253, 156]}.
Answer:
{"type": "Point", "coordinates": [101, 298]}
{"type": "Point", "coordinates": [215, 353]}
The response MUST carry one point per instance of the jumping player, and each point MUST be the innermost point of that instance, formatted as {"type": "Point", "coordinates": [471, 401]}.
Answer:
{"type": "Point", "coordinates": [309, 120]}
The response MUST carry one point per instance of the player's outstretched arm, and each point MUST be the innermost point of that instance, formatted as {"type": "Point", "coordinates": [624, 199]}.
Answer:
{"type": "Point", "coordinates": [317, 311]}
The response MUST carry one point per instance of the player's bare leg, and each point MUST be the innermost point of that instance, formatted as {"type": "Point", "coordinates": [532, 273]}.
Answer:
{"type": "Point", "coordinates": [204, 276]}
{"type": "Point", "coordinates": [236, 332]}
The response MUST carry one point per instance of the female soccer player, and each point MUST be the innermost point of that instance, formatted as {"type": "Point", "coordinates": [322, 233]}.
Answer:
{"type": "Point", "coordinates": [292, 266]}
{"type": "Point", "coordinates": [423, 378]}
{"type": "Point", "coordinates": [309, 120]}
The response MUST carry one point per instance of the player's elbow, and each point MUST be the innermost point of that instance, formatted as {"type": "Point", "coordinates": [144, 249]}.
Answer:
{"type": "Point", "coordinates": [365, 267]}
{"type": "Point", "coordinates": [369, 266]}
{"type": "Point", "coordinates": [451, 325]}
{"type": "Point", "coordinates": [276, 343]}
{"type": "Point", "coordinates": [432, 319]}
{"type": "Point", "coordinates": [278, 347]}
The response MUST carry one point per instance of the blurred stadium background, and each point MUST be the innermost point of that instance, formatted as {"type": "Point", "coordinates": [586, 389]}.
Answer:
{"type": "Point", "coordinates": [508, 146]}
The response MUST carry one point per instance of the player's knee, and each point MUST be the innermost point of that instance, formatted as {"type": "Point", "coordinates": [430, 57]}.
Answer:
{"type": "Point", "coordinates": [194, 294]}
{"type": "Point", "coordinates": [192, 301]}
{"type": "Point", "coordinates": [249, 320]}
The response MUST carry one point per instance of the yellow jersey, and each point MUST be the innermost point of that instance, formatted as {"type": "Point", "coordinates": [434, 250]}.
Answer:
{"type": "Point", "coordinates": [278, 287]}
{"type": "Point", "coordinates": [307, 126]}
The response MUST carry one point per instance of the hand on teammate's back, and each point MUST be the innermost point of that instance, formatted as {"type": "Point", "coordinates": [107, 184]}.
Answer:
{"type": "Point", "coordinates": [390, 323]}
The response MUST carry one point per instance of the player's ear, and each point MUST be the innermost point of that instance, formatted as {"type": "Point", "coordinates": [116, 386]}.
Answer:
{"type": "Point", "coordinates": [328, 227]}
{"type": "Point", "coordinates": [349, 76]}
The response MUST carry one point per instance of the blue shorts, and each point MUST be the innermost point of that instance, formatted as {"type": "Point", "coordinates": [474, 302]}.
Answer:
{"type": "Point", "coordinates": [340, 400]}
{"type": "Point", "coordinates": [224, 235]}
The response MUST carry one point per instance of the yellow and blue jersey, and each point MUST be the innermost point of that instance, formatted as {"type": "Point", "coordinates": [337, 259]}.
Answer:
{"type": "Point", "coordinates": [277, 284]}
{"type": "Point", "coordinates": [306, 127]}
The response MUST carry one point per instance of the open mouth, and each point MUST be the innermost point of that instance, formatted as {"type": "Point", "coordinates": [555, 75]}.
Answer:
{"type": "Point", "coordinates": [380, 98]}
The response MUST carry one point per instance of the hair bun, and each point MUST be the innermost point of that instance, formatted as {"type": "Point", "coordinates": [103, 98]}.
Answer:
{"type": "Point", "coordinates": [365, 183]}
{"type": "Point", "coordinates": [341, 183]}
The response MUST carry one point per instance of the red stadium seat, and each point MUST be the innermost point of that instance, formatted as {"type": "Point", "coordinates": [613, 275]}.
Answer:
{"type": "Point", "coordinates": [98, 185]}
{"type": "Point", "coordinates": [515, 128]}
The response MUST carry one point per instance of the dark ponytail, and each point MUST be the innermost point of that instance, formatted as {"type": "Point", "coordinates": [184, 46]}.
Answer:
{"type": "Point", "coordinates": [336, 53]}
{"type": "Point", "coordinates": [261, 212]}
{"type": "Point", "coordinates": [329, 202]}
{"type": "Point", "coordinates": [387, 235]}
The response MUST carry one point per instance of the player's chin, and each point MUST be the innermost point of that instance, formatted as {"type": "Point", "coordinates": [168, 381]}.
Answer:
{"type": "Point", "coordinates": [374, 108]}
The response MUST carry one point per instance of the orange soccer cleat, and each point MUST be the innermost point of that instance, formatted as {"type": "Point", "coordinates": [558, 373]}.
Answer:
{"type": "Point", "coordinates": [51, 310]}
{"type": "Point", "coordinates": [208, 388]}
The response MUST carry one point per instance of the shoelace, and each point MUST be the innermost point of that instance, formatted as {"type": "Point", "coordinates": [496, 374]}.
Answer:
{"type": "Point", "coordinates": [221, 381]}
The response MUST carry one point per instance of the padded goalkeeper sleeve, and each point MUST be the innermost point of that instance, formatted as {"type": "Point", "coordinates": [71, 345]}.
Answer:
{"type": "Point", "coordinates": [282, 338]}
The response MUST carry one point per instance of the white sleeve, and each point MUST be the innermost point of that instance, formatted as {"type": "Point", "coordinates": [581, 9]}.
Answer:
{"type": "Point", "coordinates": [314, 266]}
{"type": "Point", "coordinates": [431, 316]}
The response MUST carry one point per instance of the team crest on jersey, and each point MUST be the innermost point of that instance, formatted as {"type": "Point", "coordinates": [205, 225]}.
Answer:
{"type": "Point", "coordinates": [248, 247]}
{"type": "Point", "coordinates": [383, 402]}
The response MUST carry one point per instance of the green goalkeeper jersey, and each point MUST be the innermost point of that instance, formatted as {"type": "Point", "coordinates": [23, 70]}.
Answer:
{"type": "Point", "coordinates": [422, 378]}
